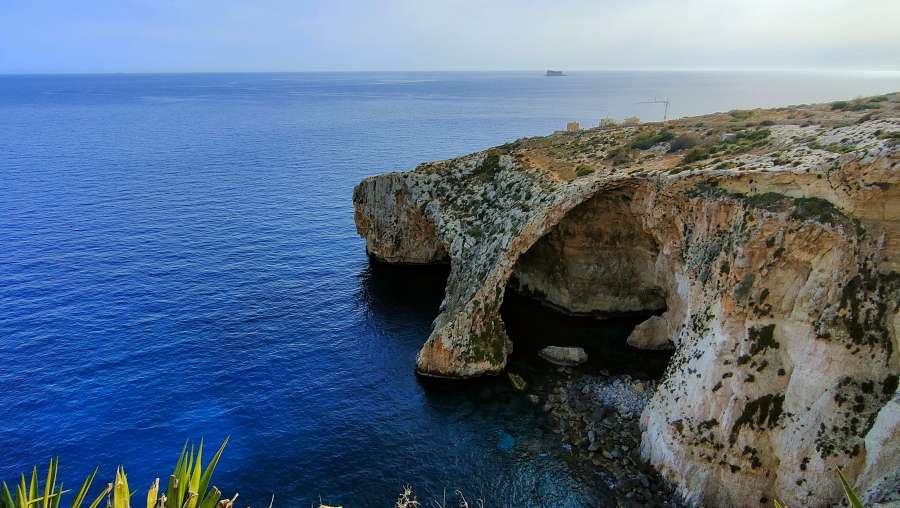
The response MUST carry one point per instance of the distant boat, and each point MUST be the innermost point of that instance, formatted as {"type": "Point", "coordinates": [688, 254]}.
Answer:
{"type": "Point", "coordinates": [555, 73]}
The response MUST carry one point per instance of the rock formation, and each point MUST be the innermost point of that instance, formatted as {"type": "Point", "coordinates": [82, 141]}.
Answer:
{"type": "Point", "coordinates": [564, 356]}
{"type": "Point", "coordinates": [766, 243]}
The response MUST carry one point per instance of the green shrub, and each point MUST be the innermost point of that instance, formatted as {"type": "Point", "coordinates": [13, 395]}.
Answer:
{"type": "Point", "coordinates": [838, 148]}
{"type": "Point", "coordinates": [490, 165]}
{"type": "Point", "coordinates": [583, 170]}
{"type": "Point", "coordinates": [890, 135]}
{"type": "Point", "coordinates": [857, 104]}
{"type": "Point", "coordinates": [839, 105]}
{"type": "Point", "coordinates": [695, 154]}
{"type": "Point", "coordinates": [862, 105]}
{"type": "Point", "coordinates": [753, 135]}
{"type": "Point", "coordinates": [647, 140]}
{"type": "Point", "coordinates": [818, 209]}
{"type": "Point", "coordinates": [620, 155]}
{"type": "Point", "coordinates": [683, 142]}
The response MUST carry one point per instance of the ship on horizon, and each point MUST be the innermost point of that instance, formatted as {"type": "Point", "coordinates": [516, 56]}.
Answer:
{"type": "Point", "coordinates": [555, 73]}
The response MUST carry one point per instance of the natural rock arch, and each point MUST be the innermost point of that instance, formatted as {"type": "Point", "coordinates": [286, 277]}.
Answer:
{"type": "Point", "coordinates": [599, 259]}
{"type": "Point", "coordinates": [781, 291]}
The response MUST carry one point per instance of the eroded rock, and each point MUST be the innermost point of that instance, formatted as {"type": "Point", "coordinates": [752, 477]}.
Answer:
{"type": "Point", "coordinates": [564, 356]}
{"type": "Point", "coordinates": [772, 254]}
{"type": "Point", "coordinates": [654, 333]}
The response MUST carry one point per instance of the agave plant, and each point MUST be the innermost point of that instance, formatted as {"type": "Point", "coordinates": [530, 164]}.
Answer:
{"type": "Point", "coordinates": [121, 496]}
{"type": "Point", "coordinates": [189, 487]}
{"type": "Point", "coordinates": [28, 494]}
{"type": "Point", "coordinates": [189, 484]}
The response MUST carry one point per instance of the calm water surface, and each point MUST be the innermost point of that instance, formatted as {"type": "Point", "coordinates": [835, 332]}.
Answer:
{"type": "Point", "coordinates": [178, 260]}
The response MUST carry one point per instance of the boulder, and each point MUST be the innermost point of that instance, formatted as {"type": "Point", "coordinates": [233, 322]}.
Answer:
{"type": "Point", "coordinates": [517, 381]}
{"type": "Point", "coordinates": [565, 356]}
{"type": "Point", "coordinates": [651, 334]}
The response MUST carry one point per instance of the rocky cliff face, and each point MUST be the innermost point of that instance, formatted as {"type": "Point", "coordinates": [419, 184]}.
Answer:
{"type": "Point", "coordinates": [770, 250]}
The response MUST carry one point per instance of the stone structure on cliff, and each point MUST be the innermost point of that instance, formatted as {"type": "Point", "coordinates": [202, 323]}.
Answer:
{"type": "Point", "coordinates": [766, 243]}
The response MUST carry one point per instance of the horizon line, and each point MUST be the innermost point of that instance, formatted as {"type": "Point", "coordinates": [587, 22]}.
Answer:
{"type": "Point", "coordinates": [461, 71]}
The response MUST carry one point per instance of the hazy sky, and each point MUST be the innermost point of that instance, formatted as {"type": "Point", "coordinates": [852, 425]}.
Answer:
{"type": "Point", "coordinates": [306, 35]}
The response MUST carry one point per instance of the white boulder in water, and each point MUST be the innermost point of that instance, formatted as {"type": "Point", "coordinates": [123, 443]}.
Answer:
{"type": "Point", "coordinates": [566, 356]}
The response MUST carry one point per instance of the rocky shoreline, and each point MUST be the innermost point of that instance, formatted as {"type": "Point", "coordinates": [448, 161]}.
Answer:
{"type": "Point", "coordinates": [763, 245]}
{"type": "Point", "coordinates": [597, 419]}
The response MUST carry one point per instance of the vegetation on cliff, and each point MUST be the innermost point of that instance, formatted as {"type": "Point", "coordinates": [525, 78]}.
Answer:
{"type": "Point", "coordinates": [189, 486]}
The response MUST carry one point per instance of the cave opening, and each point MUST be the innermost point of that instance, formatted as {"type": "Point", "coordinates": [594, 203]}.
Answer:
{"type": "Point", "coordinates": [588, 283]}
{"type": "Point", "coordinates": [532, 326]}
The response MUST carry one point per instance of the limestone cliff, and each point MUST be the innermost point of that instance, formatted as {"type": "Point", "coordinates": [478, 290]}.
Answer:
{"type": "Point", "coordinates": [768, 242]}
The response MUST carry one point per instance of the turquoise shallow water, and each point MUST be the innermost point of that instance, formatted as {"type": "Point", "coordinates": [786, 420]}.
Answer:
{"type": "Point", "coordinates": [178, 259]}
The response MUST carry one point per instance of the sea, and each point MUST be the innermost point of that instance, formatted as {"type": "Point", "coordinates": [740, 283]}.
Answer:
{"type": "Point", "coordinates": [179, 261]}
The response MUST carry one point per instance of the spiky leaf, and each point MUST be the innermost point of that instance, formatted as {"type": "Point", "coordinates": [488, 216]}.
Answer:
{"type": "Point", "coordinates": [152, 493]}
{"type": "Point", "coordinates": [212, 497]}
{"type": "Point", "coordinates": [7, 497]}
{"type": "Point", "coordinates": [33, 488]}
{"type": "Point", "coordinates": [121, 494]}
{"type": "Point", "coordinates": [48, 485]}
{"type": "Point", "coordinates": [82, 492]}
{"type": "Point", "coordinates": [172, 492]}
{"type": "Point", "coordinates": [211, 468]}
{"type": "Point", "coordinates": [100, 497]}
{"type": "Point", "coordinates": [848, 491]}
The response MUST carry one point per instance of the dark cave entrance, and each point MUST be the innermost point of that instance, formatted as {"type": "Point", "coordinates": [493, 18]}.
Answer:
{"type": "Point", "coordinates": [532, 326]}
{"type": "Point", "coordinates": [588, 283]}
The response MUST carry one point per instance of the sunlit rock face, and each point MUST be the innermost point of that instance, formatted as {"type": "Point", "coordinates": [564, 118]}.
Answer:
{"type": "Point", "coordinates": [771, 260]}
{"type": "Point", "coordinates": [395, 232]}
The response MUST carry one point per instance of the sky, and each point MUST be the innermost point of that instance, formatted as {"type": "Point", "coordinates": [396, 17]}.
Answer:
{"type": "Point", "coordinates": [42, 36]}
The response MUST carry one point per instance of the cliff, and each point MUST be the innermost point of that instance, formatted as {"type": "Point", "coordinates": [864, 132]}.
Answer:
{"type": "Point", "coordinates": [768, 243]}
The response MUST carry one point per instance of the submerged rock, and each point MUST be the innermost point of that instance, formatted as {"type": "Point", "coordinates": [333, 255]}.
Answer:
{"type": "Point", "coordinates": [565, 356]}
{"type": "Point", "coordinates": [517, 381]}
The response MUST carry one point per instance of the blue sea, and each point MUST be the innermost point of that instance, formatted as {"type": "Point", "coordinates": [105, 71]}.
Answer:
{"type": "Point", "coordinates": [178, 260]}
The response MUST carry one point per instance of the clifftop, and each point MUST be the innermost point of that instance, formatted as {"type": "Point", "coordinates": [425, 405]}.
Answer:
{"type": "Point", "coordinates": [794, 137]}
{"type": "Point", "coordinates": [767, 240]}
